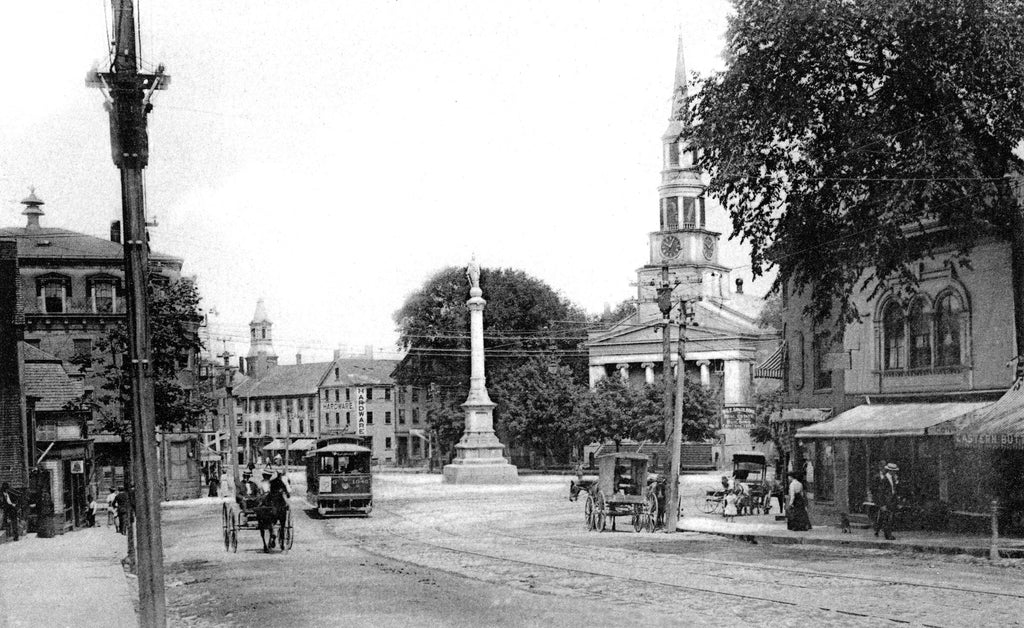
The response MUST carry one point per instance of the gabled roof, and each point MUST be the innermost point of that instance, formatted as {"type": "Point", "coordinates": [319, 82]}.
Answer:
{"type": "Point", "coordinates": [44, 377]}
{"type": "Point", "coordinates": [285, 380]}
{"type": "Point", "coordinates": [360, 372]}
{"type": "Point", "coordinates": [52, 243]}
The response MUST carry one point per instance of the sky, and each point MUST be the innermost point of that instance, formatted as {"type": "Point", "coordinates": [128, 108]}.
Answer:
{"type": "Point", "coordinates": [330, 156]}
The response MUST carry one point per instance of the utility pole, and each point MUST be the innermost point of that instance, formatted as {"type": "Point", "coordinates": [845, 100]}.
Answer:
{"type": "Point", "coordinates": [672, 492]}
{"type": "Point", "coordinates": [229, 376]}
{"type": "Point", "coordinates": [665, 305]}
{"type": "Point", "coordinates": [127, 94]}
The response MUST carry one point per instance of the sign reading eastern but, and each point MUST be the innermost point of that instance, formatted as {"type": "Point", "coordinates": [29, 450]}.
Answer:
{"type": "Point", "coordinates": [361, 411]}
{"type": "Point", "coordinates": [990, 441]}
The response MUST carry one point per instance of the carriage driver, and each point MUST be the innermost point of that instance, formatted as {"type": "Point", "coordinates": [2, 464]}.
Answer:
{"type": "Point", "coordinates": [248, 491]}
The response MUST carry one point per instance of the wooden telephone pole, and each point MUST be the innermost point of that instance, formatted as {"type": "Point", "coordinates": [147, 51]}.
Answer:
{"type": "Point", "coordinates": [229, 377]}
{"type": "Point", "coordinates": [127, 94]}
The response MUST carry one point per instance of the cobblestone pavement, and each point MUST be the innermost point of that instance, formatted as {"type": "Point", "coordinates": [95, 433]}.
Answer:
{"type": "Point", "coordinates": [431, 547]}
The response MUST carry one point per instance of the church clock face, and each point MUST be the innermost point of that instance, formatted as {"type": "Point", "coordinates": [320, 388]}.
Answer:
{"type": "Point", "coordinates": [670, 247]}
{"type": "Point", "coordinates": [709, 247]}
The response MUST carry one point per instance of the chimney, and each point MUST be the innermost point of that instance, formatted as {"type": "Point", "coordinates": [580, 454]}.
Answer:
{"type": "Point", "coordinates": [32, 203]}
{"type": "Point", "coordinates": [298, 358]}
{"type": "Point", "coordinates": [241, 365]}
{"type": "Point", "coordinates": [739, 285]}
{"type": "Point", "coordinates": [368, 351]}
{"type": "Point", "coordinates": [115, 231]}
{"type": "Point", "coordinates": [337, 354]}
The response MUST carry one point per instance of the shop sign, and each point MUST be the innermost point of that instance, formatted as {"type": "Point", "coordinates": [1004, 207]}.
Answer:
{"type": "Point", "coordinates": [361, 411]}
{"type": "Point", "coordinates": [991, 441]}
{"type": "Point", "coordinates": [337, 405]}
{"type": "Point", "coordinates": [78, 466]}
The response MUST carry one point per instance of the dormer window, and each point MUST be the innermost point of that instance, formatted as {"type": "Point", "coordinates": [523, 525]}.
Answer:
{"type": "Point", "coordinates": [53, 292]}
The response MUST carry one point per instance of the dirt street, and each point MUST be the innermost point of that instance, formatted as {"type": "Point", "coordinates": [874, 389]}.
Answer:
{"type": "Point", "coordinates": [433, 554]}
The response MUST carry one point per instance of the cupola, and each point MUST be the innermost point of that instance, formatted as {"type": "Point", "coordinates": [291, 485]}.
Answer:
{"type": "Point", "coordinates": [32, 210]}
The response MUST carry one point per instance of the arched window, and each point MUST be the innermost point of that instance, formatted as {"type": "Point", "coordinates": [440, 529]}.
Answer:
{"type": "Point", "coordinates": [920, 336]}
{"type": "Point", "coordinates": [894, 336]}
{"type": "Point", "coordinates": [948, 314]}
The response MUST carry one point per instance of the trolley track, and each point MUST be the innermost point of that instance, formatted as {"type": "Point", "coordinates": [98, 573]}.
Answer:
{"type": "Point", "coordinates": [715, 592]}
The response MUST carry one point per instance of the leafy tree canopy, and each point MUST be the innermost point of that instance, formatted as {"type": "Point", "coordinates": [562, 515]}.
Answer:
{"type": "Point", "coordinates": [174, 323]}
{"type": "Point", "coordinates": [524, 317]}
{"type": "Point", "coordinates": [840, 126]}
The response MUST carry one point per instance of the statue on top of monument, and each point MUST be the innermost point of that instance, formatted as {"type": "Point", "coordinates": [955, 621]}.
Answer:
{"type": "Point", "coordinates": [473, 273]}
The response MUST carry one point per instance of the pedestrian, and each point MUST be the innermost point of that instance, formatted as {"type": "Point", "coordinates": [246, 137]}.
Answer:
{"type": "Point", "coordinates": [876, 489]}
{"type": "Point", "coordinates": [214, 486]}
{"type": "Point", "coordinates": [9, 504]}
{"type": "Point", "coordinates": [889, 501]}
{"type": "Point", "coordinates": [732, 499]}
{"type": "Point", "coordinates": [797, 518]}
{"type": "Point", "coordinates": [122, 507]}
{"type": "Point", "coordinates": [90, 512]}
{"type": "Point", "coordinates": [251, 466]}
{"type": "Point", "coordinates": [110, 504]}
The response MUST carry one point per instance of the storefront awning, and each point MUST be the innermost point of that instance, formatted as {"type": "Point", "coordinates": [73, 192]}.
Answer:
{"type": "Point", "coordinates": [299, 444]}
{"type": "Point", "coordinates": [997, 426]}
{"type": "Point", "coordinates": [885, 420]}
{"type": "Point", "coordinates": [208, 455]}
{"type": "Point", "coordinates": [772, 367]}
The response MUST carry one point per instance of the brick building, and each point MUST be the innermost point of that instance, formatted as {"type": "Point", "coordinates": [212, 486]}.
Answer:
{"type": "Point", "coordinates": [357, 395]}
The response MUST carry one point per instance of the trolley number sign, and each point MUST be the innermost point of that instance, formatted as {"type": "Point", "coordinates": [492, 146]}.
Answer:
{"type": "Point", "coordinates": [361, 411]}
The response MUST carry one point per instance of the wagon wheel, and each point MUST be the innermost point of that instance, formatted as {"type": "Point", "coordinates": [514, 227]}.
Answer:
{"type": "Point", "coordinates": [639, 517]}
{"type": "Point", "coordinates": [588, 511]}
{"type": "Point", "coordinates": [709, 504]}
{"type": "Point", "coordinates": [233, 532]}
{"type": "Point", "coordinates": [287, 532]}
{"type": "Point", "coordinates": [226, 525]}
{"type": "Point", "coordinates": [699, 500]}
{"type": "Point", "coordinates": [600, 514]}
{"type": "Point", "coordinates": [650, 512]}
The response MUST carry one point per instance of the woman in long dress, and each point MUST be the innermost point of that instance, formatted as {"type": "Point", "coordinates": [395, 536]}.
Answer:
{"type": "Point", "coordinates": [796, 516]}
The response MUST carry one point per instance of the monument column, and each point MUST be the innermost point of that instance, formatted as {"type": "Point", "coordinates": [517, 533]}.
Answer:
{"type": "Point", "coordinates": [479, 455]}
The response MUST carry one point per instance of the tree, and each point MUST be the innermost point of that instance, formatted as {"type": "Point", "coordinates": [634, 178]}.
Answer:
{"type": "Point", "coordinates": [535, 401]}
{"type": "Point", "coordinates": [841, 133]}
{"type": "Point", "coordinates": [174, 323]}
{"type": "Point", "coordinates": [615, 411]}
{"type": "Point", "coordinates": [524, 317]}
{"type": "Point", "coordinates": [446, 419]}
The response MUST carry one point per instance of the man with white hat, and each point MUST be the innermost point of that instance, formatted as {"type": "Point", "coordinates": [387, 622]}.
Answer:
{"type": "Point", "coordinates": [888, 500]}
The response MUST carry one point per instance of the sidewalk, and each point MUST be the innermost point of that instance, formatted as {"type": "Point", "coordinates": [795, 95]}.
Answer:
{"type": "Point", "coordinates": [74, 579]}
{"type": "Point", "coordinates": [764, 529]}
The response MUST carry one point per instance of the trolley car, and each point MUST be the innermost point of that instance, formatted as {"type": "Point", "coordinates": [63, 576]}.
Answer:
{"type": "Point", "coordinates": [338, 477]}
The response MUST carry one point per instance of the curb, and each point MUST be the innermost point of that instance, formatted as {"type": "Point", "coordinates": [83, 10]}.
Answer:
{"type": "Point", "coordinates": [909, 547]}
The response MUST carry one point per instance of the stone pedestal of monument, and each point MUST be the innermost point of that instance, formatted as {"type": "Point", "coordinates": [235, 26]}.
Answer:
{"type": "Point", "coordinates": [479, 455]}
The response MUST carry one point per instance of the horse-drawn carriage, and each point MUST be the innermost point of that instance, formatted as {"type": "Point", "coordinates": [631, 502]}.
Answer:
{"type": "Point", "coordinates": [622, 489]}
{"type": "Point", "coordinates": [750, 476]}
{"type": "Point", "coordinates": [267, 512]}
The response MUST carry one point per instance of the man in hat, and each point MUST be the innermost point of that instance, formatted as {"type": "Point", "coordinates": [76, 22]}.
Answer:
{"type": "Point", "coordinates": [877, 489]}
{"type": "Point", "coordinates": [248, 492]}
{"type": "Point", "coordinates": [888, 499]}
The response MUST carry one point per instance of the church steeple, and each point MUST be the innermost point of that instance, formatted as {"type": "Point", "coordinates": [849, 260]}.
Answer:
{"type": "Point", "coordinates": [262, 356]}
{"type": "Point", "coordinates": [682, 242]}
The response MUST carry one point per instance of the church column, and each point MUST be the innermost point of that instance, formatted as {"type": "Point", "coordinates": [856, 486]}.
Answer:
{"type": "Point", "coordinates": [705, 373]}
{"type": "Point", "coordinates": [623, 371]}
{"type": "Point", "coordinates": [648, 372]}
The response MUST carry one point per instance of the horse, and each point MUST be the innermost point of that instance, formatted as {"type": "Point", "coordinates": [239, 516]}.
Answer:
{"type": "Point", "coordinates": [273, 510]}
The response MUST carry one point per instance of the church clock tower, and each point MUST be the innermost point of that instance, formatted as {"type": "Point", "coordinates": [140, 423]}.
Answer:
{"type": "Point", "coordinates": [682, 242]}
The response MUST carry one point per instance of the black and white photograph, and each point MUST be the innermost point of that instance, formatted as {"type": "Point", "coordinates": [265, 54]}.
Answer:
{"type": "Point", "coordinates": [511, 314]}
